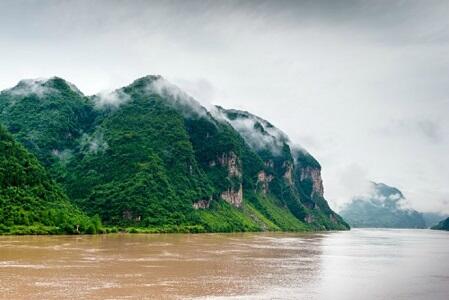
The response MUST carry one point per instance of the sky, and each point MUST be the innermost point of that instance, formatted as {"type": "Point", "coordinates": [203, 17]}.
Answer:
{"type": "Point", "coordinates": [362, 85]}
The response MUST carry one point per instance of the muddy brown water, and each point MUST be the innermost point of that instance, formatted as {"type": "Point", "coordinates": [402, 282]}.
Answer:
{"type": "Point", "coordinates": [359, 264]}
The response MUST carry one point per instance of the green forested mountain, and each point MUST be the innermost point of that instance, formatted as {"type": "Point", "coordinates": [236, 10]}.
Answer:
{"type": "Point", "coordinates": [149, 156]}
{"type": "Point", "coordinates": [383, 207]}
{"type": "Point", "coordinates": [30, 202]}
{"type": "Point", "coordinates": [47, 116]}
{"type": "Point", "coordinates": [443, 225]}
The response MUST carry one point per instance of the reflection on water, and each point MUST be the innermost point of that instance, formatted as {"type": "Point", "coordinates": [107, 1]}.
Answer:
{"type": "Point", "coordinates": [360, 264]}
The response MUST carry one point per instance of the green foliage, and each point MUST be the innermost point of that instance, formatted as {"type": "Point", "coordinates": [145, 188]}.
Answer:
{"type": "Point", "coordinates": [222, 217]}
{"type": "Point", "coordinates": [280, 216]}
{"type": "Point", "coordinates": [146, 176]}
{"type": "Point", "coordinates": [48, 118]}
{"type": "Point", "coordinates": [30, 202]}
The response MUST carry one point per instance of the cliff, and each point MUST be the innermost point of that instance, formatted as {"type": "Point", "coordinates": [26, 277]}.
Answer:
{"type": "Point", "coordinates": [289, 173]}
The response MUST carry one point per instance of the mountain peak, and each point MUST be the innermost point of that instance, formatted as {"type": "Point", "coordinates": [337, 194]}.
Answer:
{"type": "Point", "coordinates": [145, 81]}
{"type": "Point", "coordinates": [171, 94]}
{"type": "Point", "coordinates": [42, 86]}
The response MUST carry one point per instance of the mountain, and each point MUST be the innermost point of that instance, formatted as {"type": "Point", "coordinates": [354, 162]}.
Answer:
{"type": "Point", "coordinates": [47, 116]}
{"type": "Point", "coordinates": [383, 207]}
{"type": "Point", "coordinates": [432, 218]}
{"type": "Point", "coordinates": [443, 225]}
{"type": "Point", "coordinates": [30, 202]}
{"type": "Point", "coordinates": [150, 156]}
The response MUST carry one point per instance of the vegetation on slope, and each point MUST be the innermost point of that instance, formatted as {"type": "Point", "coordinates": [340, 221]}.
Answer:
{"type": "Point", "coordinates": [30, 202]}
{"type": "Point", "coordinates": [47, 116]}
{"type": "Point", "coordinates": [143, 156]}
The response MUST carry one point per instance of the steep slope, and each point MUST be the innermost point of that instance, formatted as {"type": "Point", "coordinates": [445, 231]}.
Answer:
{"type": "Point", "coordinates": [385, 207]}
{"type": "Point", "coordinates": [30, 202]}
{"type": "Point", "coordinates": [443, 225]}
{"type": "Point", "coordinates": [149, 155]}
{"type": "Point", "coordinates": [289, 173]}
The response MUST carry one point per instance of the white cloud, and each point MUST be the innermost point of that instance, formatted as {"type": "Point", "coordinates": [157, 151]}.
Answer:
{"type": "Point", "coordinates": [94, 143]}
{"type": "Point", "coordinates": [111, 99]}
{"type": "Point", "coordinates": [257, 132]}
{"type": "Point", "coordinates": [177, 98]}
{"type": "Point", "coordinates": [31, 87]}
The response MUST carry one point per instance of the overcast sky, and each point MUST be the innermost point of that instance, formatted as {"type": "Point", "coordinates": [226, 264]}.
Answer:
{"type": "Point", "coordinates": [363, 85]}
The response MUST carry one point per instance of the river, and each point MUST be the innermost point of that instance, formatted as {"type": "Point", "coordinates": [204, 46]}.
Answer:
{"type": "Point", "coordinates": [357, 264]}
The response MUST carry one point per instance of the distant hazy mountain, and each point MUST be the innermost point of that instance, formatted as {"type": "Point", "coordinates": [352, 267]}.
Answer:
{"type": "Point", "coordinates": [433, 219]}
{"type": "Point", "coordinates": [383, 207]}
{"type": "Point", "coordinates": [150, 156]}
{"type": "Point", "coordinates": [443, 225]}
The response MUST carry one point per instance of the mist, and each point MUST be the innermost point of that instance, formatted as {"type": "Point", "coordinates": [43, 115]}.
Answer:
{"type": "Point", "coordinates": [28, 87]}
{"type": "Point", "coordinates": [110, 99]}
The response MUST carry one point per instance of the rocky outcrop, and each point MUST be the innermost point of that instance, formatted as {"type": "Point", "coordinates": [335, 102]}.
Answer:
{"type": "Point", "coordinates": [269, 163]}
{"type": "Point", "coordinates": [201, 204]}
{"type": "Point", "coordinates": [288, 174]}
{"type": "Point", "coordinates": [232, 163]}
{"type": "Point", "coordinates": [233, 197]}
{"type": "Point", "coordinates": [314, 175]}
{"type": "Point", "coordinates": [308, 219]}
{"type": "Point", "coordinates": [263, 181]}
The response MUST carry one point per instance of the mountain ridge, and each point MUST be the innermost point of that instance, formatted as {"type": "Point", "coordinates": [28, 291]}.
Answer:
{"type": "Point", "coordinates": [149, 155]}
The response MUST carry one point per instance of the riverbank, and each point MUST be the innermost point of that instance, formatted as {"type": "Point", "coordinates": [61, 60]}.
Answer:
{"type": "Point", "coordinates": [54, 230]}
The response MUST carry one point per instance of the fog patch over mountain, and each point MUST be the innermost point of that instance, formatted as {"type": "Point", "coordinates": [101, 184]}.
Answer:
{"type": "Point", "coordinates": [111, 99]}
{"type": "Point", "coordinates": [258, 133]}
{"type": "Point", "coordinates": [28, 87]}
{"type": "Point", "coordinates": [94, 143]}
{"type": "Point", "coordinates": [176, 97]}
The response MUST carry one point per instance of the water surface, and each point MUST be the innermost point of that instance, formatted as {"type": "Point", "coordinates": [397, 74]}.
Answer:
{"type": "Point", "coordinates": [359, 264]}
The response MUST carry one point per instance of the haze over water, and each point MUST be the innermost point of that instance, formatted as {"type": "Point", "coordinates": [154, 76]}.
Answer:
{"type": "Point", "coordinates": [358, 264]}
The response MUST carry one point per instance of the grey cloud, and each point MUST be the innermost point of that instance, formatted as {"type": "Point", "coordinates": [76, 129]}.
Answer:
{"type": "Point", "coordinates": [429, 130]}
{"type": "Point", "coordinates": [336, 71]}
